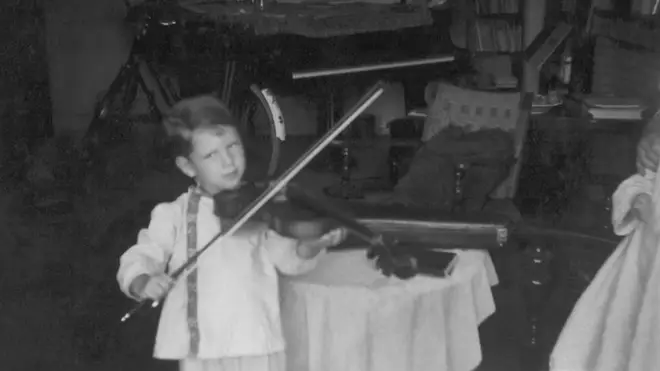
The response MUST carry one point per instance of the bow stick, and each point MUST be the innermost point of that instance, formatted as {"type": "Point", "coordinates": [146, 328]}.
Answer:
{"type": "Point", "coordinates": [275, 188]}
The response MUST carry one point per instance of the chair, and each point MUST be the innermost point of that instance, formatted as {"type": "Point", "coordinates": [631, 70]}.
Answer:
{"type": "Point", "coordinates": [474, 110]}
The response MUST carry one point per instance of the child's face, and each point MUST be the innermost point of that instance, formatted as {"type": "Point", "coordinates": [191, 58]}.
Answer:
{"type": "Point", "coordinates": [217, 160]}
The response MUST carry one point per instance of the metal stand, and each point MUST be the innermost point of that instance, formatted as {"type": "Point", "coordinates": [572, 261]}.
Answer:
{"type": "Point", "coordinates": [345, 189]}
{"type": "Point", "coordinates": [136, 73]}
{"type": "Point", "coordinates": [362, 131]}
{"type": "Point", "coordinates": [459, 191]}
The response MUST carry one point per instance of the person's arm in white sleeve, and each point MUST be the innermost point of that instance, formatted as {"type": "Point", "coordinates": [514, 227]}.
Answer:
{"type": "Point", "coordinates": [625, 217]}
{"type": "Point", "coordinates": [292, 257]}
{"type": "Point", "coordinates": [150, 255]}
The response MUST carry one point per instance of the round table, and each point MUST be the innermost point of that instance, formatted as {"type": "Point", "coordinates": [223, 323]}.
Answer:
{"type": "Point", "coordinates": [346, 316]}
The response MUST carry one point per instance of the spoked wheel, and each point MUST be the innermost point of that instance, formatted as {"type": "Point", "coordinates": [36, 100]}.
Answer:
{"type": "Point", "coordinates": [263, 131]}
{"type": "Point", "coordinates": [114, 125]}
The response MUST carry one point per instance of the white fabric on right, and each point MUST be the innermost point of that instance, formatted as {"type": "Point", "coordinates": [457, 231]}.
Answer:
{"type": "Point", "coordinates": [615, 325]}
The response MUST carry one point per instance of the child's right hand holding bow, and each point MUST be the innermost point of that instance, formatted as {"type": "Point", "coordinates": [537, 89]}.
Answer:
{"type": "Point", "coordinates": [150, 287]}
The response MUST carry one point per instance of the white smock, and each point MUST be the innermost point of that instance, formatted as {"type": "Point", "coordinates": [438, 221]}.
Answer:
{"type": "Point", "coordinates": [615, 325]}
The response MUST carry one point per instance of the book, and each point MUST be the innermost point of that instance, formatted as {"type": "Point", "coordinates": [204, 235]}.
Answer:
{"type": "Point", "coordinates": [612, 102]}
{"type": "Point", "coordinates": [613, 108]}
{"type": "Point", "coordinates": [599, 113]}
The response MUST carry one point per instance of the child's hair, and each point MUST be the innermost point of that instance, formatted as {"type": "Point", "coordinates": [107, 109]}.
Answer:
{"type": "Point", "coordinates": [194, 113]}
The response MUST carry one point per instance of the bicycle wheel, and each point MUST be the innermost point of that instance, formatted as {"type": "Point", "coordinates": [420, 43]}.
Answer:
{"type": "Point", "coordinates": [263, 131]}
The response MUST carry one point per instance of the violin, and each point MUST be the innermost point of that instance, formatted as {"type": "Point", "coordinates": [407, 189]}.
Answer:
{"type": "Point", "coordinates": [300, 215]}
{"type": "Point", "coordinates": [233, 204]}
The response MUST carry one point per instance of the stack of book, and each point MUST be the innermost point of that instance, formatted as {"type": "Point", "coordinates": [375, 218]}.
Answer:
{"type": "Point", "coordinates": [613, 108]}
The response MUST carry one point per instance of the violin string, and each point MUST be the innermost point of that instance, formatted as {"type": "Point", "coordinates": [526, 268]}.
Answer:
{"type": "Point", "coordinates": [188, 267]}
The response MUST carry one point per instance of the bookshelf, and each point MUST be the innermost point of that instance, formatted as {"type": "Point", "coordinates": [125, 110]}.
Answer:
{"type": "Point", "coordinates": [490, 7]}
{"type": "Point", "coordinates": [494, 26]}
{"type": "Point", "coordinates": [490, 34]}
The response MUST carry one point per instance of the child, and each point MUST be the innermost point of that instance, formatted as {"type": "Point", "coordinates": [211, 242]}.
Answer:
{"type": "Point", "coordinates": [225, 315]}
{"type": "Point", "coordinates": [615, 325]}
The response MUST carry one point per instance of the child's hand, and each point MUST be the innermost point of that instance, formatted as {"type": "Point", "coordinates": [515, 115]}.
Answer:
{"type": "Point", "coordinates": [151, 287]}
{"type": "Point", "coordinates": [333, 238]}
{"type": "Point", "coordinates": [310, 248]}
{"type": "Point", "coordinates": [642, 207]}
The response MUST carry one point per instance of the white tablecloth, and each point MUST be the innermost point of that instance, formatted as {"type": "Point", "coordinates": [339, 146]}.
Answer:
{"type": "Point", "coordinates": [345, 316]}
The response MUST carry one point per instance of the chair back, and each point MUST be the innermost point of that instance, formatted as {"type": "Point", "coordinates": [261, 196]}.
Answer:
{"type": "Point", "coordinates": [475, 110]}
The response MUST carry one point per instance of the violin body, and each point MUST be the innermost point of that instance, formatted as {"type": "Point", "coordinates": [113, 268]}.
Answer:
{"type": "Point", "coordinates": [283, 214]}
{"type": "Point", "coordinates": [295, 214]}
